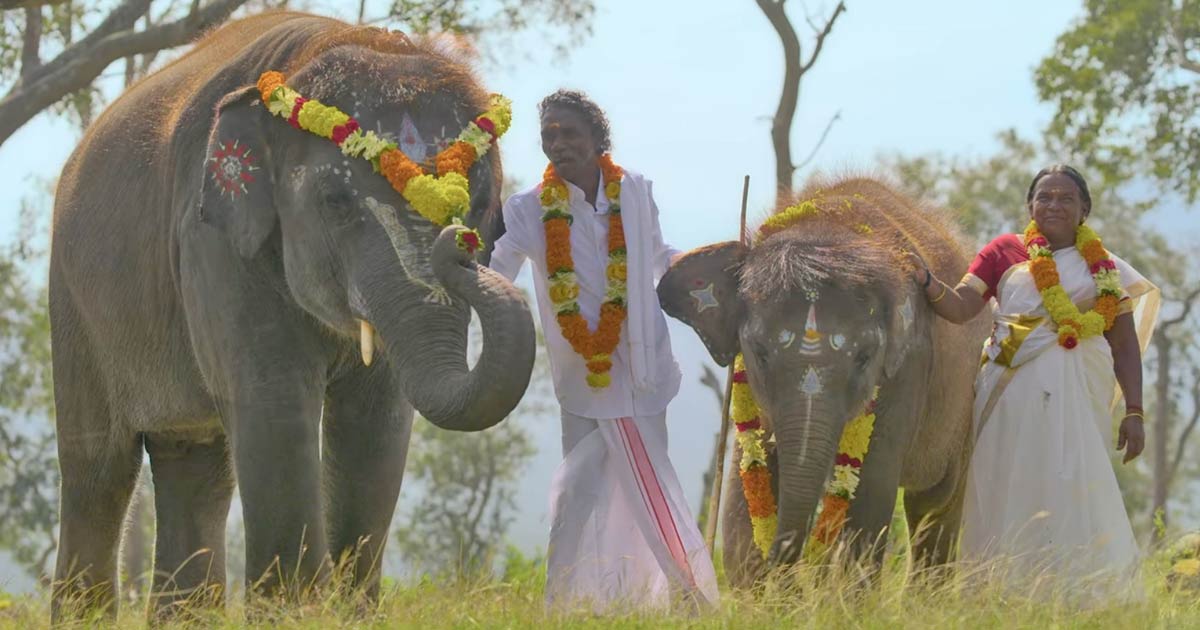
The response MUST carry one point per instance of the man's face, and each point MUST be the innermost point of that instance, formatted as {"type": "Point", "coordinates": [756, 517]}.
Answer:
{"type": "Point", "coordinates": [568, 142]}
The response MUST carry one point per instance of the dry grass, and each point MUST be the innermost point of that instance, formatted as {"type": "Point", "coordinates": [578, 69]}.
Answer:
{"type": "Point", "coordinates": [810, 598]}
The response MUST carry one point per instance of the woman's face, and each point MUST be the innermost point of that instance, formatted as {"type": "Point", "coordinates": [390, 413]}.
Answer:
{"type": "Point", "coordinates": [1058, 207]}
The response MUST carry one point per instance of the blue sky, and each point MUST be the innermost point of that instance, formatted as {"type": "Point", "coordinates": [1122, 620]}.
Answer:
{"type": "Point", "coordinates": [689, 88]}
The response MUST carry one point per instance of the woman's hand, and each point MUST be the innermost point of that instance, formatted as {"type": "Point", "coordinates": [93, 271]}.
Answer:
{"type": "Point", "coordinates": [920, 271]}
{"type": "Point", "coordinates": [1131, 437]}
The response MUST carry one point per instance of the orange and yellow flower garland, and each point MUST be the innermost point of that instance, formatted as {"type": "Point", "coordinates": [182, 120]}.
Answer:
{"type": "Point", "coordinates": [1073, 325]}
{"type": "Point", "coordinates": [595, 347]}
{"type": "Point", "coordinates": [847, 469]}
{"type": "Point", "coordinates": [756, 477]}
{"type": "Point", "coordinates": [442, 199]}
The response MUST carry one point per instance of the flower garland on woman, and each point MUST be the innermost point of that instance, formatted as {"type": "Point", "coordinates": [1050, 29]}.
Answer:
{"type": "Point", "coordinates": [1073, 325]}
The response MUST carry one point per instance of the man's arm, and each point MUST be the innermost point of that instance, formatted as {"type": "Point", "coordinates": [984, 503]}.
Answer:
{"type": "Point", "coordinates": [664, 253]}
{"type": "Point", "coordinates": [510, 251]}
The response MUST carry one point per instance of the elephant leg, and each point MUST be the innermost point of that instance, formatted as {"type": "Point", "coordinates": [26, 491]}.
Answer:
{"type": "Point", "coordinates": [99, 464]}
{"type": "Point", "coordinates": [276, 454]}
{"type": "Point", "coordinates": [97, 485]}
{"type": "Point", "coordinates": [366, 428]}
{"type": "Point", "coordinates": [934, 516]}
{"type": "Point", "coordinates": [193, 486]}
{"type": "Point", "coordinates": [744, 562]}
{"type": "Point", "coordinates": [874, 503]}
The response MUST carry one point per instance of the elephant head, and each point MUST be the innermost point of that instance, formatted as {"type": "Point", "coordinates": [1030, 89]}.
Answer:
{"type": "Point", "coordinates": [820, 324]}
{"type": "Point", "coordinates": [350, 249]}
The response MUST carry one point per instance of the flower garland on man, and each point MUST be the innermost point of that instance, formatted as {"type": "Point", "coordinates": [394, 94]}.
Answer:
{"type": "Point", "coordinates": [621, 532]}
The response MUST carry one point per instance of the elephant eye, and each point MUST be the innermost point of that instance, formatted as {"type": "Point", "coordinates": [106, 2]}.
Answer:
{"type": "Point", "coordinates": [862, 358]}
{"type": "Point", "coordinates": [336, 197]}
{"type": "Point", "coordinates": [760, 355]}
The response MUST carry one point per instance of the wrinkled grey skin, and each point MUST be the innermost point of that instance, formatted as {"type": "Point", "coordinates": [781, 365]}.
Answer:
{"type": "Point", "coordinates": [220, 332]}
{"type": "Point", "coordinates": [923, 366]}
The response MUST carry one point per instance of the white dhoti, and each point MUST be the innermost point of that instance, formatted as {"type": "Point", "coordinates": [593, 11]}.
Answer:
{"type": "Point", "coordinates": [621, 533]}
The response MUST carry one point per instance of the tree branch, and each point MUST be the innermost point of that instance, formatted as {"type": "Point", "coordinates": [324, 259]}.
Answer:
{"type": "Point", "coordinates": [90, 56]}
{"type": "Point", "coordinates": [7, 5]}
{"type": "Point", "coordinates": [1187, 309]}
{"type": "Point", "coordinates": [32, 41]}
{"type": "Point", "coordinates": [1187, 431]}
{"type": "Point", "coordinates": [1177, 42]}
{"type": "Point", "coordinates": [122, 18]}
{"type": "Point", "coordinates": [793, 71]}
{"type": "Point", "coordinates": [820, 141]}
{"type": "Point", "coordinates": [821, 35]}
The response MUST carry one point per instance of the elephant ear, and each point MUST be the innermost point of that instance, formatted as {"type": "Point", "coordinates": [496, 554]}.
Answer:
{"type": "Point", "coordinates": [238, 192]}
{"type": "Point", "coordinates": [902, 329]}
{"type": "Point", "coordinates": [701, 290]}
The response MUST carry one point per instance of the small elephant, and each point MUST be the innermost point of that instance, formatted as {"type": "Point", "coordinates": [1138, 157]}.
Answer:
{"type": "Point", "coordinates": [824, 310]}
{"type": "Point", "coordinates": [219, 279]}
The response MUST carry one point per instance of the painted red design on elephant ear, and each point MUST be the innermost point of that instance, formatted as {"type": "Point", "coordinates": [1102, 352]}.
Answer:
{"type": "Point", "coordinates": [230, 166]}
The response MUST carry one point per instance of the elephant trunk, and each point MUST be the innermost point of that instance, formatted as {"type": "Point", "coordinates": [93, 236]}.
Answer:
{"type": "Point", "coordinates": [804, 451]}
{"type": "Point", "coordinates": [427, 343]}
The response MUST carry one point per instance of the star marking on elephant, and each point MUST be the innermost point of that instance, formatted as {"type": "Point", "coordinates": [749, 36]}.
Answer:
{"type": "Point", "coordinates": [705, 298]}
{"type": "Point", "coordinates": [786, 337]}
{"type": "Point", "coordinates": [837, 341]}
{"type": "Point", "coordinates": [231, 166]}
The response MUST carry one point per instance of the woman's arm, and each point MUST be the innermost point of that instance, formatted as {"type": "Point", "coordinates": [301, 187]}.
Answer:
{"type": "Point", "coordinates": [1127, 366]}
{"type": "Point", "coordinates": [958, 304]}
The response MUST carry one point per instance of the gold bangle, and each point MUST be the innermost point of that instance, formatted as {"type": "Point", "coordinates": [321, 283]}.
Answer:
{"type": "Point", "coordinates": [1135, 414]}
{"type": "Point", "coordinates": [940, 296]}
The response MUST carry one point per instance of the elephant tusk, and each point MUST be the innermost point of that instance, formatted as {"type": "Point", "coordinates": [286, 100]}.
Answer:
{"type": "Point", "coordinates": [366, 341]}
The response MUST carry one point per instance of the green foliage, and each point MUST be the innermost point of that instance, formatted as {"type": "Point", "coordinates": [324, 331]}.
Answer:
{"type": "Point", "coordinates": [28, 470]}
{"type": "Point", "coordinates": [1125, 90]}
{"type": "Point", "coordinates": [504, 18]}
{"type": "Point", "coordinates": [467, 484]}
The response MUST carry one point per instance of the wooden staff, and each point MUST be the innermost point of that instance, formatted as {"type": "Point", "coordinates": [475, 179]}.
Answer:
{"type": "Point", "coordinates": [714, 500]}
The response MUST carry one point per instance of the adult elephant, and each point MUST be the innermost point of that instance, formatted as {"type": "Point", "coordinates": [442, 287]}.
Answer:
{"type": "Point", "coordinates": [214, 273]}
{"type": "Point", "coordinates": [824, 312]}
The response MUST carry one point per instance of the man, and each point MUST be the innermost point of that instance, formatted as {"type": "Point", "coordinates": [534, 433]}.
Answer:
{"type": "Point", "coordinates": [621, 532]}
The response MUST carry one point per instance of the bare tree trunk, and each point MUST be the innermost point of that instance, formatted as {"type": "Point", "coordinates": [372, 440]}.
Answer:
{"type": "Point", "coordinates": [1164, 469]}
{"type": "Point", "coordinates": [31, 41]}
{"type": "Point", "coordinates": [793, 71]}
{"type": "Point", "coordinates": [711, 381]}
{"type": "Point", "coordinates": [1162, 430]}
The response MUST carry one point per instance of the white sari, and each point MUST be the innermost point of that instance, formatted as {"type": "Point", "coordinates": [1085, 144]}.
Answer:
{"type": "Point", "coordinates": [1041, 492]}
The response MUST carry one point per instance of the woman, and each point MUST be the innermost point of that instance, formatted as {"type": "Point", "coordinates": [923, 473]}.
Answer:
{"type": "Point", "coordinates": [1070, 319]}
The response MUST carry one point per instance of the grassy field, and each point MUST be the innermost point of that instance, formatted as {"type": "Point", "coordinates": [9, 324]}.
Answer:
{"type": "Point", "coordinates": [807, 599]}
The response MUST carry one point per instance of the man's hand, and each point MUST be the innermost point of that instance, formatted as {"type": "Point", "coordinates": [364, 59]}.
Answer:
{"type": "Point", "coordinates": [1131, 437]}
